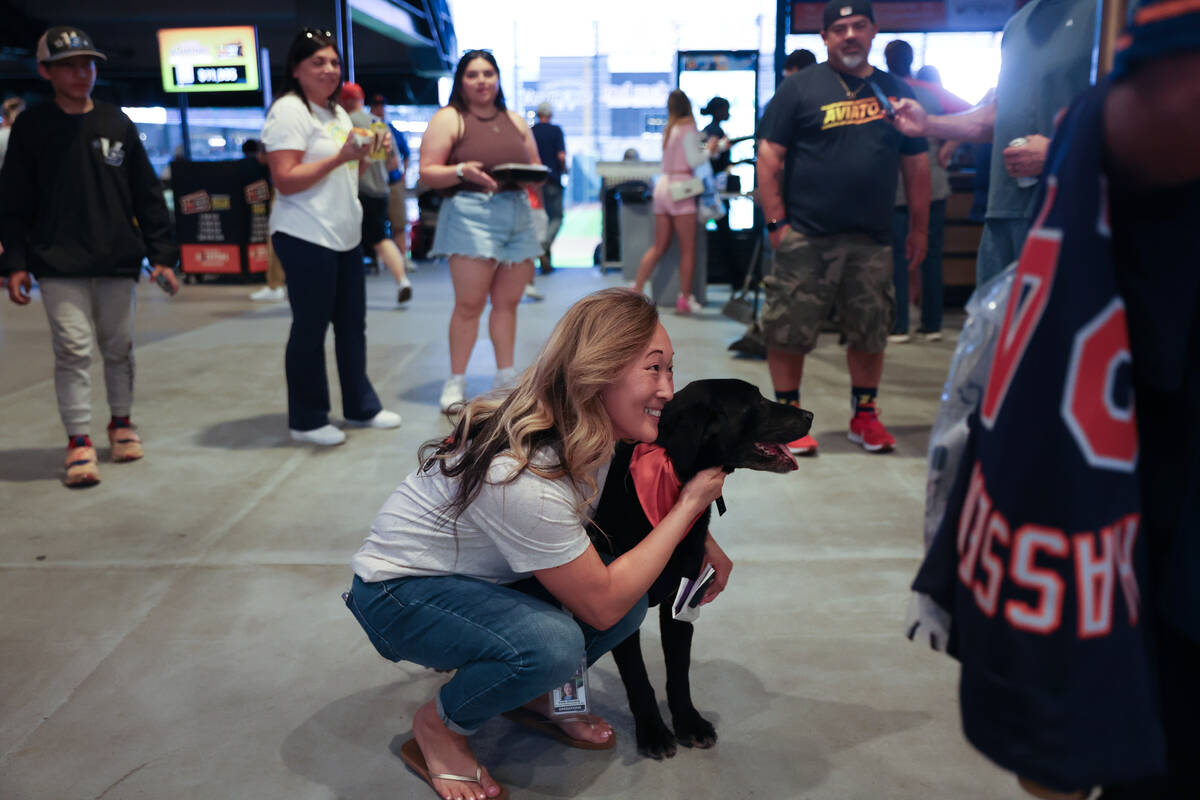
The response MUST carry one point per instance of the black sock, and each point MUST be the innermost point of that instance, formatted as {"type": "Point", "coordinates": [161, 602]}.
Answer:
{"type": "Point", "coordinates": [119, 422]}
{"type": "Point", "coordinates": [862, 398]}
{"type": "Point", "coordinates": [790, 398]}
{"type": "Point", "coordinates": [79, 441]}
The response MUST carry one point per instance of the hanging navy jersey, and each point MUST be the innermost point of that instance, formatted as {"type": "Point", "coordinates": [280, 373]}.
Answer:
{"type": "Point", "coordinates": [1040, 558]}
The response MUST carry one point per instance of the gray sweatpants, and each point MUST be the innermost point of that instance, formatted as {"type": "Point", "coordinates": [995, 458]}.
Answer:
{"type": "Point", "coordinates": [75, 308]}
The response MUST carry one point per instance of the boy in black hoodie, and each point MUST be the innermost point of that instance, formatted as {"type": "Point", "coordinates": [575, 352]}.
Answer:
{"type": "Point", "coordinates": [80, 208]}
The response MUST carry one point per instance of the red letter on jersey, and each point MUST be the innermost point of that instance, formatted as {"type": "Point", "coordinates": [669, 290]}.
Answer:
{"type": "Point", "coordinates": [1030, 293]}
{"type": "Point", "coordinates": [1046, 616]}
{"type": "Point", "coordinates": [1126, 531]}
{"type": "Point", "coordinates": [1105, 432]}
{"type": "Point", "coordinates": [1094, 583]}
{"type": "Point", "coordinates": [987, 594]}
{"type": "Point", "coordinates": [974, 516]}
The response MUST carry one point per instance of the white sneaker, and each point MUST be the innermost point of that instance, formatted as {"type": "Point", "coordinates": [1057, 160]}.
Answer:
{"type": "Point", "coordinates": [931, 336]}
{"type": "Point", "coordinates": [504, 378]}
{"type": "Point", "coordinates": [384, 419]}
{"type": "Point", "coordinates": [268, 295]}
{"type": "Point", "coordinates": [532, 293]}
{"type": "Point", "coordinates": [899, 338]}
{"type": "Point", "coordinates": [454, 390]}
{"type": "Point", "coordinates": [325, 435]}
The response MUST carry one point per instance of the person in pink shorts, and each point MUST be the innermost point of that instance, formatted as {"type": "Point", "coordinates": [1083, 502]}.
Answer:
{"type": "Point", "coordinates": [682, 152]}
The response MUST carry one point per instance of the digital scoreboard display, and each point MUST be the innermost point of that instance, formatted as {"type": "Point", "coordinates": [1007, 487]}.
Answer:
{"type": "Point", "coordinates": [209, 59]}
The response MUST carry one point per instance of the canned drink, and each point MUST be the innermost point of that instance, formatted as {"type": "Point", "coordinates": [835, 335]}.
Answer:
{"type": "Point", "coordinates": [1024, 182]}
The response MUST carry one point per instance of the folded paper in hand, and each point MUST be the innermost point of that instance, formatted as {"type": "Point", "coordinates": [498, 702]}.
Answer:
{"type": "Point", "coordinates": [687, 601]}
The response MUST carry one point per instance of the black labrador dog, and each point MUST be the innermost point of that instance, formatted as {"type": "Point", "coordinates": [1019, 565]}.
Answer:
{"type": "Point", "coordinates": [719, 422]}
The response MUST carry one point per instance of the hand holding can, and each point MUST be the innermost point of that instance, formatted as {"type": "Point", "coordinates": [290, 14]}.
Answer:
{"type": "Point", "coordinates": [1025, 181]}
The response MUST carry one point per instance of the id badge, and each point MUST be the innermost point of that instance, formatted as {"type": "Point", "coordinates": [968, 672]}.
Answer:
{"type": "Point", "coordinates": [571, 698]}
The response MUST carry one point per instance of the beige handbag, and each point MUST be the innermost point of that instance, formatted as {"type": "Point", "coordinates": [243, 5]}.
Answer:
{"type": "Point", "coordinates": [682, 190]}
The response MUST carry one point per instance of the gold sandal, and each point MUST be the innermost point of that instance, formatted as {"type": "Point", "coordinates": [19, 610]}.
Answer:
{"type": "Point", "coordinates": [411, 753]}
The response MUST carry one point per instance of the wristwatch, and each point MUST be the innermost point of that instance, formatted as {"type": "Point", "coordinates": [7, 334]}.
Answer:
{"type": "Point", "coordinates": [458, 172]}
{"type": "Point", "coordinates": [775, 224]}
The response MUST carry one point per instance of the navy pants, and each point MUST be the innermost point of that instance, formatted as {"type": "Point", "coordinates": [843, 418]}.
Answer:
{"type": "Point", "coordinates": [325, 286]}
{"type": "Point", "coordinates": [931, 269]}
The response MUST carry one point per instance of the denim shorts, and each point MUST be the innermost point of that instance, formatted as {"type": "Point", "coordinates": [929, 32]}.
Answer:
{"type": "Point", "coordinates": [480, 225]}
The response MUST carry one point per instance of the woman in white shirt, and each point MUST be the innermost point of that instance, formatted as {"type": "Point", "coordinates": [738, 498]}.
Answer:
{"type": "Point", "coordinates": [480, 558]}
{"type": "Point", "coordinates": [316, 230]}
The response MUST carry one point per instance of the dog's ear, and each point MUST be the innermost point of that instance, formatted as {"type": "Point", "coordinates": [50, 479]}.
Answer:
{"type": "Point", "coordinates": [681, 433]}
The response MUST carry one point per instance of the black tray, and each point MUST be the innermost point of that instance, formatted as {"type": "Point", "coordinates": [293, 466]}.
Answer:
{"type": "Point", "coordinates": [519, 173]}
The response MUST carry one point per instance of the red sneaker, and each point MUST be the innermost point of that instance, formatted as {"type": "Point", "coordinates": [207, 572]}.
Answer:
{"type": "Point", "coordinates": [804, 446]}
{"type": "Point", "coordinates": [868, 431]}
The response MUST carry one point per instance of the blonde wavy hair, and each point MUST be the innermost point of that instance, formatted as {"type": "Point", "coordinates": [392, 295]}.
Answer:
{"type": "Point", "coordinates": [679, 108]}
{"type": "Point", "coordinates": [557, 403]}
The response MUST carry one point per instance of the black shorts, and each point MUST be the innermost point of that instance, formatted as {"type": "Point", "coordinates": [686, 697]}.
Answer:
{"type": "Point", "coordinates": [375, 219]}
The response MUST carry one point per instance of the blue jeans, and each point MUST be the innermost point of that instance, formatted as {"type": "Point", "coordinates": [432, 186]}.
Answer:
{"type": "Point", "coordinates": [325, 286]}
{"type": "Point", "coordinates": [509, 644]}
{"type": "Point", "coordinates": [552, 201]}
{"type": "Point", "coordinates": [931, 269]}
{"type": "Point", "coordinates": [999, 246]}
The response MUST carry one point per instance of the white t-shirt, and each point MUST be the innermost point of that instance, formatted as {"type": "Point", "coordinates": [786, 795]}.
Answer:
{"type": "Point", "coordinates": [508, 531]}
{"type": "Point", "coordinates": [328, 212]}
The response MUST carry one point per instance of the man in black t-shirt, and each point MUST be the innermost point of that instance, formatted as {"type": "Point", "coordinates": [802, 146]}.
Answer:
{"type": "Point", "coordinates": [828, 163]}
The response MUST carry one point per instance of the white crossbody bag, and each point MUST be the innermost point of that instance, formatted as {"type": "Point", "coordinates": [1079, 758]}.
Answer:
{"type": "Point", "coordinates": [683, 189]}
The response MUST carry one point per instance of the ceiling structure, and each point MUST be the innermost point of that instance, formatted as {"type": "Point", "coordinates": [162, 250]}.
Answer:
{"type": "Point", "coordinates": [400, 47]}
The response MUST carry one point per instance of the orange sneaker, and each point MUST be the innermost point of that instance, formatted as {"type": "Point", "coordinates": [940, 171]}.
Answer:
{"type": "Point", "coordinates": [81, 464]}
{"type": "Point", "coordinates": [126, 444]}
{"type": "Point", "coordinates": [804, 446]}
{"type": "Point", "coordinates": [868, 431]}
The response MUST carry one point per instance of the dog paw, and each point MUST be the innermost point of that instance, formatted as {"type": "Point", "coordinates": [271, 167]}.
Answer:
{"type": "Point", "coordinates": [655, 740]}
{"type": "Point", "coordinates": [693, 730]}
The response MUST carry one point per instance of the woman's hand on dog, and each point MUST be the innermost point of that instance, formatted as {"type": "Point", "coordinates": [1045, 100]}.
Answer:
{"type": "Point", "coordinates": [722, 565]}
{"type": "Point", "coordinates": [703, 489]}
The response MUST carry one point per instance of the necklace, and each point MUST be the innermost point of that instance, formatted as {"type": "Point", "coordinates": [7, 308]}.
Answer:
{"type": "Point", "coordinates": [492, 117]}
{"type": "Point", "coordinates": [849, 94]}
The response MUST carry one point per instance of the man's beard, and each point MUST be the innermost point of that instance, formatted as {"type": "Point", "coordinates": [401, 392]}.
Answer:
{"type": "Point", "coordinates": [853, 62]}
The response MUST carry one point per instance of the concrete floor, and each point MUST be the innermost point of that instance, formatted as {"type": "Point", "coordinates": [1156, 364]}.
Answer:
{"type": "Point", "coordinates": [177, 631]}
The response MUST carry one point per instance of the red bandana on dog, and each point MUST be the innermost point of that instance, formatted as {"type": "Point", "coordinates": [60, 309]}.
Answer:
{"type": "Point", "coordinates": [655, 480]}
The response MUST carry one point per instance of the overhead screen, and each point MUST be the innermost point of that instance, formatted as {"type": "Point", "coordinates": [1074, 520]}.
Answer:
{"type": "Point", "coordinates": [209, 59]}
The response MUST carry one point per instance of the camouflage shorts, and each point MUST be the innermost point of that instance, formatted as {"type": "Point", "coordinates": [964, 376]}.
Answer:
{"type": "Point", "coordinates": [812, 274]}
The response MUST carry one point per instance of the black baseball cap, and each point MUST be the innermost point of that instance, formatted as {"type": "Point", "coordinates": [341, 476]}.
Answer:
{"type": "Point", "coordinates": [836, 9]}
{"type": "Point", "coordinates": [66, 41]}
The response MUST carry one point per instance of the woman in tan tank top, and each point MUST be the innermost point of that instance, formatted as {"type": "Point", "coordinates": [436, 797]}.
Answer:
{"type": "Point", "coordinates": [485, 229]}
